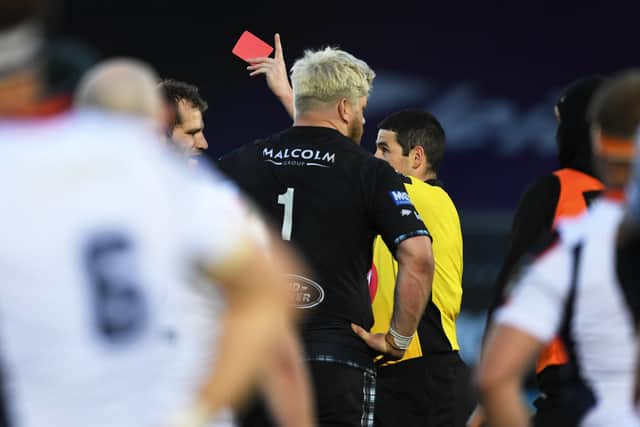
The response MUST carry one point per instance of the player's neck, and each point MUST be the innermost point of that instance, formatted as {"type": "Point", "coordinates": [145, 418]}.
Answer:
{"type": "Point", "coordinates": [318, 120]}
{"type": "Point", "coordinates": [424, 176]}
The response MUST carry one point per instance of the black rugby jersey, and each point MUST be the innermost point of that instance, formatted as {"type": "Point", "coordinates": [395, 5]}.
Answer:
{"type": "Point", "coordinates": [329, 197]}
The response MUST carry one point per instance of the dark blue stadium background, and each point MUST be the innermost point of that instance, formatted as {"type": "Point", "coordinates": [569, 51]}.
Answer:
{"type": "Point", "coordinates": [491, 72]}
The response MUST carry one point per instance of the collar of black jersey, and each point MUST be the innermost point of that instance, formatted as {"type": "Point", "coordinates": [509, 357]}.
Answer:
{"type": "Point", "coordinates": [313, 130]}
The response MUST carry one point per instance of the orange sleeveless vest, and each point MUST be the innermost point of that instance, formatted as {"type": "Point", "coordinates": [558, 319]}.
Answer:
{"type": "Point", "coordinates": [571, 203]}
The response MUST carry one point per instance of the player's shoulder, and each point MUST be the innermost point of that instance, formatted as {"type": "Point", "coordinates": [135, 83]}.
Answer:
{"type": "Point", "coordinates": [548, 258]}
{"type": "Point", "coordinates": [424, 193]}
{"type": "Point", "coordinates": [73, 134]}
{"type": "Point", "coordinates": [543, 185]}
{"type": "Point", "coordinates": [21, 134]}
{"type": "Point", "coordinates": [543, 181]}
{"type": "Point", "coordinates": [246, 154]}
{"type": "Point", "coordinates": [540, 196]}
{"type": "Point", "coordinates": [425, 189]}
{"type": "Point", "coordinates": [239, 151]}
{"type": "Point", "coordinates": [367, 162]}
{"type": "Point", "coordinates": [602, 218]}
{"type": "Point", "coordinates": [206, 174]}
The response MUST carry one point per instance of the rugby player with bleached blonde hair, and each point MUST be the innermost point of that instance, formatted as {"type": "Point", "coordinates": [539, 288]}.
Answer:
{"type": "Point", "coordinates": [330, 197]}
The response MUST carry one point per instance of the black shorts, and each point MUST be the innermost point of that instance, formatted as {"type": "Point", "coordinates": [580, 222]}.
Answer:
{"type": "Point", "coordinates": [565, 400]}
{"type": "Point", "coordinates": [344, 395]}
{"type": "Point", "coordinates": [430, 391]}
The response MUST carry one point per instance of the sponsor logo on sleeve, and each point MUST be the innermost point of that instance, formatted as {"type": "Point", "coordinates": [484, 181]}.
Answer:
{"type": "Point", "coordinates": [400, 198]}
{"type": "Point", "coordinates": [305, 292]}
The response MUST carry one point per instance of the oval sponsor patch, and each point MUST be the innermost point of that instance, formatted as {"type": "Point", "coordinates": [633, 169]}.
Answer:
{"type": "Point", "coordinates": [305, 292]}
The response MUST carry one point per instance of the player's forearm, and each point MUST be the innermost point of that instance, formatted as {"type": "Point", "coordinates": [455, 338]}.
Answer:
{"type": "Point", "coordinates": [256, 313]}
{"type": "Point", "coordinates": [504, 407]}
{"type": "Point", "coordinates": [507, 355]}
{"type": "Point", "coordinates": [412, 293]}
{"type": "Point", "coordinates": [249, 333]}
{"type": "Point", "coordinates": [413, 286]}
{"type": "Point", "coordinates": [287, 386]}
{"type": "Point", "coordinates": [286, 98]}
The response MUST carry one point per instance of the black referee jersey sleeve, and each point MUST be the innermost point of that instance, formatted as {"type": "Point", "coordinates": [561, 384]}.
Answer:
{"type": "Point", "coordinates": [390, 209]}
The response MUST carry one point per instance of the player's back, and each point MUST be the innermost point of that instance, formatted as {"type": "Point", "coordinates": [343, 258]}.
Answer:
{"type": "Point", "coordinates": [572, 288]}
{"type": "Point", "coordinates": [92, 247]}
{"type": "Point", "coordinates": [603, 329]}
{"type": "Point", "coordinates": [329, 197]}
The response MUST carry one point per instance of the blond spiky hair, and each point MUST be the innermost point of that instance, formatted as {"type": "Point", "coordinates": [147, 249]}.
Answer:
{"type": "Point", "coordinates": [328, 75]}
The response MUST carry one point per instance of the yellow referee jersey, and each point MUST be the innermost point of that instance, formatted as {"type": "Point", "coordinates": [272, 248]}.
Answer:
{"type": "Point", "coordinates": [437, 329]}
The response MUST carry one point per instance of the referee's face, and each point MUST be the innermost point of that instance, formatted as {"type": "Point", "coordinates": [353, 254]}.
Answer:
{"type": "Point", "coordinates": [389, 149]}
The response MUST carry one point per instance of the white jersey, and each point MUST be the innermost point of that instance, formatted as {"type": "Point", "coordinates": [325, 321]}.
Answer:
{"type": "Point", "coordinates": [587, 306]}
{"type": "Point", "coordinates": [100, 229]}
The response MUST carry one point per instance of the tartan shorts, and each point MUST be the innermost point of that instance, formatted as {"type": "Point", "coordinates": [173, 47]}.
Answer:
{"type": "Point", "coordinates": [345, 392]}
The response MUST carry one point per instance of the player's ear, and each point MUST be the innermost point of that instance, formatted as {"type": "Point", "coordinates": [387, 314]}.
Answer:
{"type": "Point", "coordinates": [345, 110]}
{"type": "Point", "coordinates": [168, 118]}
{"type": "Point", "coordinates": [419, 157]}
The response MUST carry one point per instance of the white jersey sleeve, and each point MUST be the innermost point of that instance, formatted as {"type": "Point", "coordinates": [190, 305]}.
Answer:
{"type": "Point", "coordinates": [220, 225]}
{"type": "Point", "coordinates": [536, 305]}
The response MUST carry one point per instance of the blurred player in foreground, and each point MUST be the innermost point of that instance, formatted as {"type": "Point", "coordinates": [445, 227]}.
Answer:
{"type": "Point", "coordinates": [567, 192]}
{"type": "Point", "coordinates": [126, 85]}
{"type": "Point", "coordinates": [122, 223]}
{"type": "Point", "coordinates": [572, 288]}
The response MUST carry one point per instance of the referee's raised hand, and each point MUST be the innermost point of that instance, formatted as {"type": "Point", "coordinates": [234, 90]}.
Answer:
{"type": "Point", "coordinates": [380, 342]}
{"type": "Point", "coordinates": [275, 72]}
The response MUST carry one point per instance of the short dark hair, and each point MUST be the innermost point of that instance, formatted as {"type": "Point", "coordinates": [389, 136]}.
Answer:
{"type": "Point", "coordinates": [174, 91]}
{"type": "Point", "coordinates": [414, 128]}
{"type": "Point", "coordinates": [615, 108]}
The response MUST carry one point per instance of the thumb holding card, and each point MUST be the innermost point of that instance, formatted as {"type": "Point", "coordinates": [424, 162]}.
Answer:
{"type": "Point", "coordinates": [275, 72]}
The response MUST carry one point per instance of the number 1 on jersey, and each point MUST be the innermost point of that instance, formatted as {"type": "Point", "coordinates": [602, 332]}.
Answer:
{"type": "Point", "coordinates": [286, 199]}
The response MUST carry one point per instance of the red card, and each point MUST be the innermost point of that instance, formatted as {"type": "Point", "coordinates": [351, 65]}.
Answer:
{"type": "Point", "coordinates": [250, 46]}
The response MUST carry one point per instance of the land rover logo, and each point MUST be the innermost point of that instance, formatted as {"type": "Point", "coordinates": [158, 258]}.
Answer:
{"type": "Point", "coordinates": [305, 292]}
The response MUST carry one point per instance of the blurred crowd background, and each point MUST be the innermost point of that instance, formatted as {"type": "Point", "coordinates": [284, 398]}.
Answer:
{"type": "Point", "coordinates": [490, 72]}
